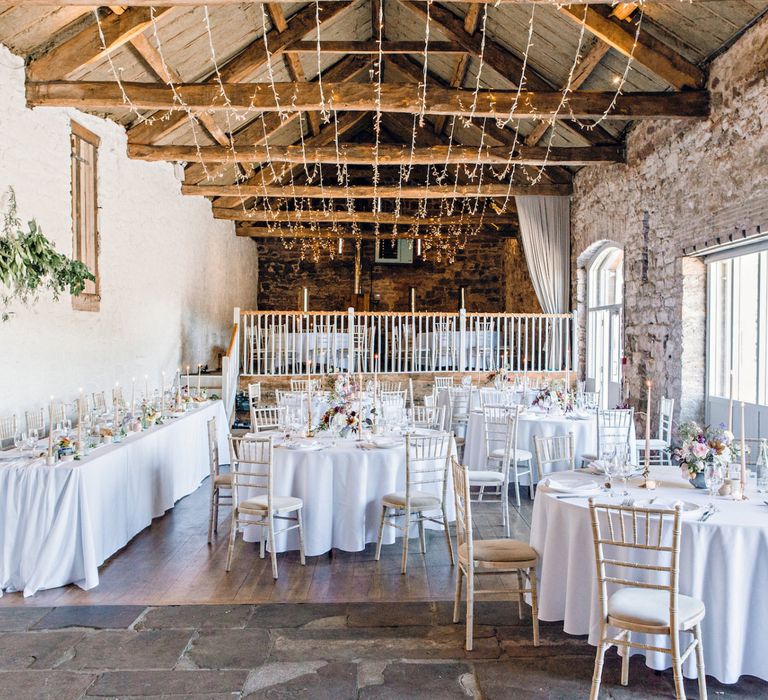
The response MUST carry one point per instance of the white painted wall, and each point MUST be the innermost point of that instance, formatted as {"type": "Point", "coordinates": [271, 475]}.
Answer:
{"type": "Point", "coordinates": [170, 273]}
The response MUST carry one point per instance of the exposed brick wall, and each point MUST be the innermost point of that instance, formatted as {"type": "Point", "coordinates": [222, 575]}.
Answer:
{"type": "Point", "coordinates": [684, 183]}
{"type": "Point", "coordinates": [493, 272]}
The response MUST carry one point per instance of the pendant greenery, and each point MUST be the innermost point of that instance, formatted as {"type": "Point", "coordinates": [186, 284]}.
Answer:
{"type": "Point", "coordinates": [29, 263]}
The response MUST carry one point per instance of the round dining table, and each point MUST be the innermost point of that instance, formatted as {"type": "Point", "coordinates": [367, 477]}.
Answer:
{"type": "Point", "coordinates": [723, 562]}
{"type": "Point", "coordinates": [537, 424]}
{"type": "Point", "coordinates": [341, 482]}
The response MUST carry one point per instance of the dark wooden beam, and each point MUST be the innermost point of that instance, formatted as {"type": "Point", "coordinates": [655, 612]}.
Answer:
{"type": "Point", "coordinates": [371, 48]}
{"type": "Point", "coordinates": [388, 154]}
{"type": "Point", "coordinates": [356, 97]}
{"type": "Point", "coordinates": [266, 233]}
{"type": "Point", "coordinates": [648, 52]}
{"type": "Point", "coordinates": [314, 216]}
{"type": "Point", "coordinates": [407, 191]}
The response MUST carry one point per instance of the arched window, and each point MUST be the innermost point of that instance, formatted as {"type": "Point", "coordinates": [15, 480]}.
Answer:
{"type": "Point", "coordinates": [605, 324]}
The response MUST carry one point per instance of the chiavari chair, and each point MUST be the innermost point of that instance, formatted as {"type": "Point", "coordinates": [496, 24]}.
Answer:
{"type": "Point", "coordinates": [35, 420]}
{"type": "Point", "coordinates": [254, 394]}
{"type": "Point", "coordinates": [552, 451]}
{"type": "Point", "coordinates": [428, 417]}
{"type": "Point", "coordinates": [267, 418]}
{"type": "Point", "coordinates": [7, 429]}
{"type": "Point", "coordinates": [492, 557]}
{"type": "Point", "coordinates": [427, 465]}
{"type": "Point", "coordinates": [219, 481]}
{"type": "Point", "coordinates": [304, 385]}
{"type": "Point", "coordinates": [614, 427]}
{"type": "Point", "coordinates": [634, 552]}
{"type": "Point", "coordinates": [660, 454]}
{"type": "Point", "coordinates": [251, 469]}
{"type": "Point", "coordinates": [99, 402]}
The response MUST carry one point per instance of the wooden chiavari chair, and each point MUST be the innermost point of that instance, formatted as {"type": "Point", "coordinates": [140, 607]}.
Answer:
{"type": "Point", "coordinates": [552, 451]}
{"type": "Point", "coordinates": [647, 600]}
{"type": "Point", "coordinates": [7, 429]}
{"type": "Point", "coordinates": [427, 461]}
{"type": "Point", "coordinates": [58, 414]}
{"type": "Point", "coordinates": [254, 394]}
{"type": "Point", "coordinates": [614, 427]}
{"type": "Point", "coordinates": [219, 482]}
{"type": "Point", "coordinates": [267, 418]}
{"type": "Point", "coordinates": [251, 468]}
{"type": "Point", "coordinates": [460, 404]}
{"type": "Point", "coordinates": [430, 418]}
{"type": "Point", "coordinates": [497, 397]}
{"type": "Point", "coordinates": [442, 381]}
{"type": "Point", "coordinates": [35, 420]}
{"type": "Point", "coordinates": [304, 385]}
{"type": "Point", "coordinates": [660, 454]}
{"type": "Point", "coordinates": [489, 557]}
{"type": "Point", "coordinates": [386, 386]}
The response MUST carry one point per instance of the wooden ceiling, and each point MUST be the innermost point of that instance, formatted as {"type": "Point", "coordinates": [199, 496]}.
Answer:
{"type": "Point", "coordinates": [244, 151]}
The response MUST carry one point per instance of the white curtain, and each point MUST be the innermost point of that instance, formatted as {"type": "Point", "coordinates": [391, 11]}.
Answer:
{"type": "Point", "coordinates": [545, 232]}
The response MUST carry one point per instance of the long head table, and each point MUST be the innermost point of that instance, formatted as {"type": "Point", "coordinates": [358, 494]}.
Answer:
{"type": "Point", "coordinates": [723, 561]}
{"type": "Point", "coordinates": [58, 524]}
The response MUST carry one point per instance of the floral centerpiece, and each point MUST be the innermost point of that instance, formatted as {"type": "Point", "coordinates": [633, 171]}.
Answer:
{"type": "Point", "coordinates": [341, 417]}
{"type": "Point", "coordinates": [696, 447]}
{"type": "Point", "coordinates": [550, 398]}
{"type": "Point", "coordinates": [499, 378]}
{"type": "Point", "coordinates": [65, 447]}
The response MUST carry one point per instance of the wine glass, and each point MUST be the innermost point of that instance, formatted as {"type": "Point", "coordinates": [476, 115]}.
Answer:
{"type": "Point", "coordinates": [66, 428]}
{"type": "Point", "coordinates": [607, 459]}
{"type": "Point", "coordinates": [623, 466]}
{"type": "Point", "coordinates": [32, 439]}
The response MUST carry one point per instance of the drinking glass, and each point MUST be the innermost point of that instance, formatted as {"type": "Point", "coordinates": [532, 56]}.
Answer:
{"type": "Point", "coordinates": [623, 466]}
{"type": "Point", "coordinates": [32, 439]}
{"type": "Point", "coordinates": [608, 460]}
{"type": "Point", "coordinates": [19, 439]}
{"type": "Point", "coordinates": [66, 428]}
{"type": "Point", "coordinates": [713, 477]}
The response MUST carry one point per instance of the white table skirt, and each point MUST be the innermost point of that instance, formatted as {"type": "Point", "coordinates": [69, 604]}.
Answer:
{"type": "Point", "coordinates": [531, 425]}
{"type": "Point", "coordinates": [341, 488]}
{"type": "Point", "coordinates": [723, 562]}
{"type": "Point", "coordinates": [60, 523]}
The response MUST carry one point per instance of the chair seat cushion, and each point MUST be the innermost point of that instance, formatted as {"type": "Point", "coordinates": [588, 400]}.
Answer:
{"type": "Point", "coordinates": [501, 550]}
{"type": "Point", "coordinates": [645, 606]}
{"type": "Point", "coordinates": [223, 480]}
{"type": "Point", "coordinates": [419, 499]}
{"type": "Point", "coordinates": [485, 476]}
{"type": "Point", "coordinates": [258, 504]}
{"type": "Point", "coordinates": [522, 455]}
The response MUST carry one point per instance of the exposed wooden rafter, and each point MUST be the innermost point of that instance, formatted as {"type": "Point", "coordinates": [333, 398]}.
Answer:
{"type": "Point", "coordinates": [292, 60]}
{"type": "Point", "coordinates": [362, 153]}
{"type": "Point", "coordinates": [245, 64]}
{"type": "Point", "coordinates": [408, 191]}
{"type": "Point", "coordinates": [263, 232]}
{"type": "Point", "coordinates": [371, 47]}
{"type": "Point", "coordinates": [648, 52]}
{"type": "Point", "coordinates": [215, 3]}
{"type": "Point", "coordinates": [367, 97]}
{"type": "Point", "coordinates": [86, 46]}
{"type": "Point", "coordinates": [313, 216]}
{"type": "Point", "coordinates": [346, 124]}
{"type": "Point", "coordinates": [259, 130]}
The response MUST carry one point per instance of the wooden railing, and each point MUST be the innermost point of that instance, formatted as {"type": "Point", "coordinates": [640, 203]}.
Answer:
{"type": "Point", "coordinates": [292, 342]}
{"type": "Point", "coordinates": [230, 370]}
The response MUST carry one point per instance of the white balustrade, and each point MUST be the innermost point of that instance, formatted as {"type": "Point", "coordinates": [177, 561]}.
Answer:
{"type": "Point", "coordinates": [292, 343]}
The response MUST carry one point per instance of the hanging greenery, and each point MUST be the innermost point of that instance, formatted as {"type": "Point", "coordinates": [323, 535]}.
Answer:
{"type": "Point", "coordinates": [29, 263]}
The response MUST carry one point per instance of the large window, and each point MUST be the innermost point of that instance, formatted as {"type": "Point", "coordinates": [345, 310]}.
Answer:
{"type": "Point", "coordinates": [738, 326]}
{"type": "Point", "coordinates": [85, 235]}
{"type": "Point", "coordinates": [605, 290]}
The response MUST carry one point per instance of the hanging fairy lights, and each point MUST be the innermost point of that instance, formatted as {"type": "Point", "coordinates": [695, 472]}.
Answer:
{"type": "Point", "coordinates": [436, 238]}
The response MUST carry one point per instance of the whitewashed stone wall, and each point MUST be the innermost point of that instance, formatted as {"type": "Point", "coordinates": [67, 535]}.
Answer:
{"type": "Point", "coordinates": [170, 273]}
{"type": "Point", "coordinates": [684, 183]}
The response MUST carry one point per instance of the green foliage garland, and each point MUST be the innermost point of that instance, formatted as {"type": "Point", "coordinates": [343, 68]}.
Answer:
{"type": "Point", "coordinates": [29, 263]}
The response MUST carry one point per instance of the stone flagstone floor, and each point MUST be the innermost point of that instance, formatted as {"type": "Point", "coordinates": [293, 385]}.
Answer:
{"type": "Point", "coordinates": [384, 651]}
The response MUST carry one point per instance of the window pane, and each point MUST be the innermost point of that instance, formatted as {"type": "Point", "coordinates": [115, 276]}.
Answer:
{"type": "Point", "coordinates": [745, 291]}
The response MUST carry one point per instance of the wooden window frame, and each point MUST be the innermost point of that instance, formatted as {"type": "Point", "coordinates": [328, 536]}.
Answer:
{"type": "Point", "coordinates": [87, 301]}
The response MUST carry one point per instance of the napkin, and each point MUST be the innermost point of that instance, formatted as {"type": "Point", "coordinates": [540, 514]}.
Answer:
{"type": "Point", "coordinates": [571, 485]}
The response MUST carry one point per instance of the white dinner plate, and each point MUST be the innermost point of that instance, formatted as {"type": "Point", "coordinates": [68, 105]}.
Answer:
{"type": "Point", "coordinates": [689, 509]}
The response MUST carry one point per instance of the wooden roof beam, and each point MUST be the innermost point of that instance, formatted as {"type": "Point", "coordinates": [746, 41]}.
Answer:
{"type": "Point", "coordinates": [292, 60]}
{"type": "Point", "coordinates": [407, 191]}
{"type": "Point", "coordinates": [264, 232]}
{"type": "Point", "coordinates": [649, 51]}
{"type": "Point", "coordinates": [371, 47]}
{"type": "Point", "coordinates": [363, 153]}
{"type": "Point", "coordinates": [365, 97]}
{"type": "Point", "coordinates": [86, 46]}
{"type": "Point", "coordinates": [257, 132]}
{"type": "Point", "coordinates": [217, 3]}
{"type": "Point", "coordinates": [243, 65]}
{"type": "Point", "coordinates": [310, 216]}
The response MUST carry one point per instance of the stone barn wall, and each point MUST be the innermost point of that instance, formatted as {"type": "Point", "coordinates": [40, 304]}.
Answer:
{"type": "Point", "coordinates": [492, 270]}
{"type": "Point", "coordinates": [684, 183]}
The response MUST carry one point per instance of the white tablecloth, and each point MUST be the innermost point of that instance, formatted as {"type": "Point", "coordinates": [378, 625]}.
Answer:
{"type": "Point", "coordinates": [58, 524]}
{"type": "Point", "coordinates": [723, 561]}
{"type": "Point", "coordinates": [530, 425]}
{"type": "Point", "coordinates": [341, 488]}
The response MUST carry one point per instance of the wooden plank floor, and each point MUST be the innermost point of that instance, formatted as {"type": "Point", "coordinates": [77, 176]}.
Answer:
{"type": "Point", "coordinates": [171, 562]}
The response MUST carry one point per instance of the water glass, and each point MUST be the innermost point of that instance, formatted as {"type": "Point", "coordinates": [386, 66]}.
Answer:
{"type": "Point", "coordinates": [19, 439]}
{"type": "Point", "coordinates": [608, 461]}
{"type": "Point", "coordinates": [713, 477]}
